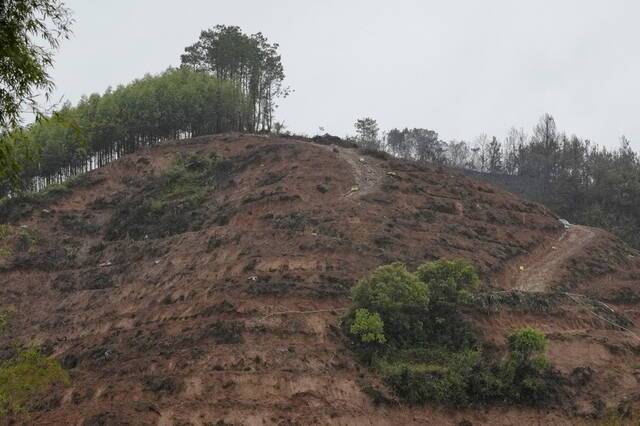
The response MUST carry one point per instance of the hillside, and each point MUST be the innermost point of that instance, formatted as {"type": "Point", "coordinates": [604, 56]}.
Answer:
{"type": "Point", "coordinates": [224, 307]}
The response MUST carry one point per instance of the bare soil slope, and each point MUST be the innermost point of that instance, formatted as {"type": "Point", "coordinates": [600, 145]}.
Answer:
{"type": "Point", "coordinates": [235, 321]}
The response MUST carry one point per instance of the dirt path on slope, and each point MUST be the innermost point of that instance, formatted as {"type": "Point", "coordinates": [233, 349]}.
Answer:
{"type": "Point", "coordinates": [546, 265]}
{"type": "Point", "coordinates": [366, 173]}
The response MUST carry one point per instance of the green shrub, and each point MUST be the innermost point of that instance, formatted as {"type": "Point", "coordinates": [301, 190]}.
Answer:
{"type": "Point", "coordinates": [527, 370]}
{"type": "Point", "coordinates": [466, 376]}
{"type": "Point", "coordinates": [26, 376]}
{"type": "Point", "coordinates": [390, 289]}
{"type": "Point", "coordinates": [399, 298]}
{"type": "Point", "coordinates": [413, 383]}
{"type": "Point", "coordinates": [526, 343]}
{"type": "Point", "coordinates": [368, 327]}
{"type": "Point", "coordinates": [411, 330]}
{"type": "Point", "coordinates": [410, 314]}
{"type": "Point", "coordinates": [446, 382]}
{"type": "Point", "coordinates": [486, 384]}
{"type": "Point", "coordinates": [450, 282]}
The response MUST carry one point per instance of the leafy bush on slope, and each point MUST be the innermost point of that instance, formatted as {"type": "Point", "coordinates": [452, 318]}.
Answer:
{"type": "Point", "coordinates": [410, 329]}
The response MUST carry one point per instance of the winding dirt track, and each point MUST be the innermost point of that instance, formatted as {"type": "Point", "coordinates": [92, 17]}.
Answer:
{"type": "Point", "coordinates": [544, 268]}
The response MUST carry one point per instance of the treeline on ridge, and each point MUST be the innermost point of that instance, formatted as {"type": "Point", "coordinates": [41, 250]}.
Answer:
{"type": "Point", "coordinates": [576, 178]}
{"type": "Point", "coordinates": [175, 104]}
{"type": "Point", "coordinates": [227, 81]}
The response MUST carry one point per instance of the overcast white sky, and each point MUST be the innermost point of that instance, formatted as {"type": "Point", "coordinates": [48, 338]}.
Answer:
{"type": "Point", "coordinates": [458, 67]}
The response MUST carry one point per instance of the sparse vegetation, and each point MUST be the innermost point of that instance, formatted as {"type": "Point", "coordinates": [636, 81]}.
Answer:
{"type": "Point", "coordinates": [410, 329]}
{"type": "Point", "coordinates": [226, 332]}
{"type": "Point", "coordinates": [76, 223]}
{"type": "Point", "coordinates": [161, 384]}
{"type": "Point", "coordinates": [586, 183]}
{"type": "Point", "coordinates": [173, 203]}
{"type": "Point", "coordinates": [617, 418]}
{"type": "Point", "coordinates": [4, 321]}
{"type": "Point", "coordinates": [25, 375]}
{"type": "Point", "coordinates": [16, 240]}
{"type": "Point", "coordinates": [15, 208]}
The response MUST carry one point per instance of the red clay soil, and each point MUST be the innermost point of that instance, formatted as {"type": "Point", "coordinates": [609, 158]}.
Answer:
{"type": "Point", "coordinates": [237, 322]}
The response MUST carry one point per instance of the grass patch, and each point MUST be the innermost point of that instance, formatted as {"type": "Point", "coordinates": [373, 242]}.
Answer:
{"type": "Point", "coordinates": [25, 377]}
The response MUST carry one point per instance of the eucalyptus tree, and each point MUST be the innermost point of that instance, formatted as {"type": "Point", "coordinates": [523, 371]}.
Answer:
{"type": "Point", "coordinates": [458, 154]}
{"type": "Point", "coordinates": [423, 145]}
{"type": "Point", "coordinates": [396, 143]}
{"type": "Point", "coordinates": [249, 61]}
{"type": "Point", "coordinates": [426, 144]}
{"type": "Point", "coordinates": [175, 104]}
{"type": "Point", "coordinates": [30, 33]}
{"type": "Point", "coordinates": [495, 156]}
{"type": "Point", "coordinates": [541, 151]}
{"type": "Point", "coordinates": [367, 133]}
{"type": "Point", "coordinates": [513, 145]}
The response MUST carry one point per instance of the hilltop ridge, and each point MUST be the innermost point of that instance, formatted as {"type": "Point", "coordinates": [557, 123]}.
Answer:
{"type": "Point", "coordinates": [203, 281]}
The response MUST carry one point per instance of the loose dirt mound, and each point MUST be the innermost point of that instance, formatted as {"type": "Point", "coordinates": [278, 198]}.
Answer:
{"type": "Point", "coordinates": [231, 316]}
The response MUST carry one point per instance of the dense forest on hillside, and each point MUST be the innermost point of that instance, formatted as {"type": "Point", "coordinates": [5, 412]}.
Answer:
{"type": "Point", "coordinates": [174, 104]}
{"type": "Point", "coordinates": [228, 81]}
{"type": "Point", "coordinates": [579, 180]}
